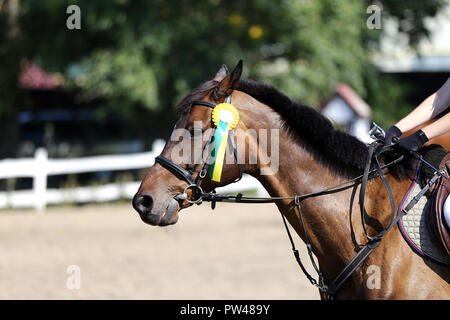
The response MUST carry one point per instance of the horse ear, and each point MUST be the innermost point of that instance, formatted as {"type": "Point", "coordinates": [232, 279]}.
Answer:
{"type": "Point", "coordinates": [222, 73]}
{"type": "Point", "coordinates": [230, 82]}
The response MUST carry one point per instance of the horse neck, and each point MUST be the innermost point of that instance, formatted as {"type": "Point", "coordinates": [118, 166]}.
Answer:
{"type": "Point", "coordinates": [326, 218]}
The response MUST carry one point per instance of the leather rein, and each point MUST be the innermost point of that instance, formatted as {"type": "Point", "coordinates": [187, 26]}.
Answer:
{"type": "Point", "coordinates": [372, 169]}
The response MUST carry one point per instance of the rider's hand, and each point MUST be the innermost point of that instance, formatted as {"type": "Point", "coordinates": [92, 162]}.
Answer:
{"type": "Point", "coordinates": [413, 142]}
{"type": "Point", "coordinates": [393, 132]}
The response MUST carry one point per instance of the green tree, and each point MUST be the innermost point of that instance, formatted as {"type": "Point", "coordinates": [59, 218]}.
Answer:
{"type": "Point", "coordinates": [145, 55]}
{"type": "Point", "coordinates": [10, 50]}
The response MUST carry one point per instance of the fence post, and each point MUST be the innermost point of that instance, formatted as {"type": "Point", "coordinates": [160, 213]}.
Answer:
{"type": "Point", "coordinates": [40, 179]}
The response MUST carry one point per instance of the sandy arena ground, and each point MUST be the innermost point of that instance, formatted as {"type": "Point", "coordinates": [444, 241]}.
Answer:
{"type": "Point", "coordinates": [234, 252]}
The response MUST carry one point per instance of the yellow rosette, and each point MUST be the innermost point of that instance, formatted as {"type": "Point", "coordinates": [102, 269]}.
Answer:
{"type": "Point", "coordinates": [225, 117]}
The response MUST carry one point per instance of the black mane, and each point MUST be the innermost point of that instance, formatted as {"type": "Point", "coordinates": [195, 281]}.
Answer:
{"type": "Point", "coordinates": [337, 150]}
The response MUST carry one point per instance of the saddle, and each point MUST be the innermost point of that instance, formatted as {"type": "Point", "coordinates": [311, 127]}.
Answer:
{"type": "Point", "coordinates": [436, 222]}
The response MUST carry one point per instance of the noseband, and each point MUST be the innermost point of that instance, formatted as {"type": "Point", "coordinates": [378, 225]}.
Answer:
{"type": "Point", "coordinates": [187, 175]}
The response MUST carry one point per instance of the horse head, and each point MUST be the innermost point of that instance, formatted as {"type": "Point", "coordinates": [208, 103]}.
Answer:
{"type": "Point", "coordinates": [179, 169]}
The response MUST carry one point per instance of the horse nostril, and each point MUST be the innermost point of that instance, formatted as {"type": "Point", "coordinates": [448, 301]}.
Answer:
{"type": "Point", "coordinates": [143, 203]}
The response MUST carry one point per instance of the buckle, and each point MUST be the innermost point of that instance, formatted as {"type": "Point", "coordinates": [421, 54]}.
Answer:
{"type": "Point", "coordinates": [198, 190]}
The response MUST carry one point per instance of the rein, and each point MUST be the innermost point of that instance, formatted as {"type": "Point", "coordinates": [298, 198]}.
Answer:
{"type": "Point", "coordinates": [375, 150]}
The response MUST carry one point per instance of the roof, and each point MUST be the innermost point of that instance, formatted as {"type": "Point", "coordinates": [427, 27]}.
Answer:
{"type": "Point", "coordinates": [33, 77]}
{"type": "Point", "coordinates": [433, 52]}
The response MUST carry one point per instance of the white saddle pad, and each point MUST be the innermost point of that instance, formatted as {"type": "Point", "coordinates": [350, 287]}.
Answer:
{"type": "Point", "coordinates": [414, 228]}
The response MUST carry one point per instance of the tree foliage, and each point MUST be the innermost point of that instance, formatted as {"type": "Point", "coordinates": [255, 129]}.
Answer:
{"type": "Point", "coordinates": [148, 54]}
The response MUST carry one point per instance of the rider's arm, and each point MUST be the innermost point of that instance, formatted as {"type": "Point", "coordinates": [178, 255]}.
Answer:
{"type": "Point", "coordinates": [427, 110]}
{"type": "Point", "coordinates": [417, 139]}
{"type": "Point", "coordinates": [438, 127]}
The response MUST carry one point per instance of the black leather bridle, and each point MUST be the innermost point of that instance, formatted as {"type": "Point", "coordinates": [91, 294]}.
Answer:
{"type": "Point", "coordinates": [187, 175]}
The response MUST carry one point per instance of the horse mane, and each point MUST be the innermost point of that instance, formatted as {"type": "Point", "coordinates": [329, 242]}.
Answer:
{"type": "Point", "coordinates": [337, 150]}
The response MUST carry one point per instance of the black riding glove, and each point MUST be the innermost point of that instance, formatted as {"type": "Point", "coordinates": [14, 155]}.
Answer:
{"type": "Point", "coordinates": [393, 132]}
{"type": "Point", "coordinates": [414, 141]}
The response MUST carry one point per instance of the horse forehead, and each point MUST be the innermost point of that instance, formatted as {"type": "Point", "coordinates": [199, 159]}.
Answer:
{"type": "Point", "coordinates": [199, 113]}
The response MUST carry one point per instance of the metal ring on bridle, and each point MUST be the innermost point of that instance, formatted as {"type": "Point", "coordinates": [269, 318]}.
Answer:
{"type": "Point", "coordinates": [199, 189]}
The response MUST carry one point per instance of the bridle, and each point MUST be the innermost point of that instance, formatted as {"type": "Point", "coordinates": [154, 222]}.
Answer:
{"type": "Point", "coordinates": [187, 175]}
{"type": "Point", "coordinates": [372, 169]}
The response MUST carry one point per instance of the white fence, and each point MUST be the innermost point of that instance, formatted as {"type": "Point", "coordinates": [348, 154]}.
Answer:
{"type": "Point", "coordinates": [40, 167]}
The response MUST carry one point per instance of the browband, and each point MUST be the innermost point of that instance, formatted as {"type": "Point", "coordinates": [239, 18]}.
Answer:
{"type": "Point", "coordinates": [204, 103]}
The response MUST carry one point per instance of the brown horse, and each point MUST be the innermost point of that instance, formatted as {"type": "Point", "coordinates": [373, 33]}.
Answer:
{"type": "Point", "coordinates": [313, 155]}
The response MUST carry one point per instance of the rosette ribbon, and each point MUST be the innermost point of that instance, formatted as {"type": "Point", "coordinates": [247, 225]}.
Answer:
{"type": "Point", "coordinates": [225, 117]}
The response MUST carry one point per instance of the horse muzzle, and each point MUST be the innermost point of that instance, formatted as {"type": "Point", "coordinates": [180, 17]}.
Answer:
{"type": "Point", "coordinates": [156, 214]}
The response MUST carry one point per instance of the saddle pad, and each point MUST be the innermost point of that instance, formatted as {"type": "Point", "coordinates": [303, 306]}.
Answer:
{"type": "Point", "coordinates": [414, 228]}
